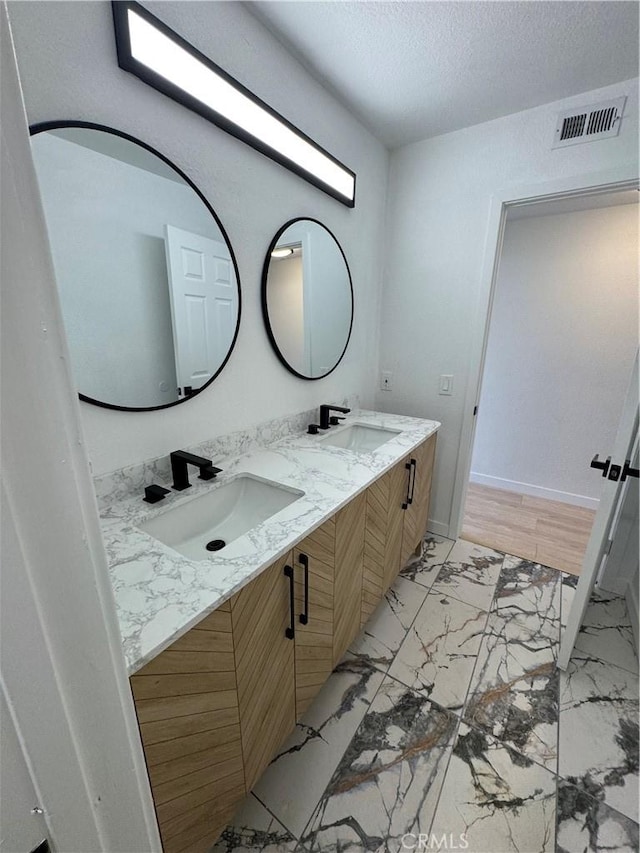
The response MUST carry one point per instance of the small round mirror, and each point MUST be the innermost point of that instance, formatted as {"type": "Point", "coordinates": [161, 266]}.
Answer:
{"type": "Point", "coordinates": [147, 278]}
{"type": "Point", "coordinates": [307, 298]}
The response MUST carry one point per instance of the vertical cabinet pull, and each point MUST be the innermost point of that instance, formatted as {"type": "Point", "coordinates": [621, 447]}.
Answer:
{"type": "Point", "coordinates": [411, 483]}
{"type": "Point", "coordinates": [414, 465]}
{"type": "Point", "coordinates": [304, 562]}
{"type": "Point", "coordinates": [290, 632]}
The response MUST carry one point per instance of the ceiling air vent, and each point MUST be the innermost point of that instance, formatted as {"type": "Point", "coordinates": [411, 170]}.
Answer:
{"type": "Point", "coordinates": [597, 121]}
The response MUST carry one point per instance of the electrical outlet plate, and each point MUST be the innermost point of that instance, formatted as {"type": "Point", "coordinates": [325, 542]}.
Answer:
{"type": "Point", "coordinates": [385, 380]}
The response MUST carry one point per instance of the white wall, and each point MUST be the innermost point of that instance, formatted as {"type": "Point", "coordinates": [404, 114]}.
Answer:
{"type": "Point", "coordinates": [563, 336]}
{"type": "Point", "coordinates": [440, 193]}
{"type": "Point", "coordinates": [62, 669]}
{"type": "Point", "coordinates": [252, 195]}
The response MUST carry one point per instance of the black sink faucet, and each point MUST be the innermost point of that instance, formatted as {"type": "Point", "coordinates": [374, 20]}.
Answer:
{"type": "Point", "coordinates": [325, 420]}
{"type": "Point", "coordinates": [179, 461]}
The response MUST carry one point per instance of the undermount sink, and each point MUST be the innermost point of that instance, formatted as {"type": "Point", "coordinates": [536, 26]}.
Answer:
{"type": "Point", "coordinates": [361, 438]}
{"type": "Point", "coordinates": [204, 525]}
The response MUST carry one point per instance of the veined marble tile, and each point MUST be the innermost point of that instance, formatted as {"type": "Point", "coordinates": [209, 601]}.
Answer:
{"type": "Point", "coordinates": [587, 824]}
{"type": "Point", "coordinates": [567, 594]}
{"type": "Point", "coordinates": [495, 799]}
{"type": "Point", "coordinates": [386, 629]}
{"type": "Point", "coordinates": [514, 690]}
{"type": "Point", "coordinates": [388, 781]}
{"type": "Point", "coordinates": [528, 591]}
{"type": "Point", "coordinates": [606, 631]}
{"type": "Point", "coordinates": [470, 573]}
{"type": "Point", "coordinates": [424, 568]}
{"type": "Point", "coordinates": [439, 653]}
{"type": "Point", "coordinates": [599, 731]}
{"type": "Point", "coordinates": [294, 782]}
{"type": "Point", "coordinates": [254, 830]}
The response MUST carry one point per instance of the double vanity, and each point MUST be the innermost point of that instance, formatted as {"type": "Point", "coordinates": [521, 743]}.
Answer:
{"type": "Point", "coordinates": [243, 568]}
{"type": "Point", "coordinates": [227, 647]}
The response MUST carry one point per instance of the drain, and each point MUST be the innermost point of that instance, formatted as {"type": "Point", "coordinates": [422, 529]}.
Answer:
{"type": "Point", "coordinates": [215, 545]}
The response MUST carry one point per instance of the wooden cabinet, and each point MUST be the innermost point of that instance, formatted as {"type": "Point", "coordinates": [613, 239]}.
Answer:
{"type": "Point", "coordinates": [215, 706]}
{"type": "Point", "coordinates": [264, 663]}
{"type": "Point", "coordinates": [397, 514]}
{"type": "Point", "coordinates": [383, 535]}
{"type": "Point", "coordinates": [349, 556]}
{"type": "Point", "coordinates": [187, 705]}
{"type": "Point", "coordinates": [314, 566]}
{"type": "Point", "coordinates": [334, 556]}
{"type": "Point", "coordinates": [416, 515]}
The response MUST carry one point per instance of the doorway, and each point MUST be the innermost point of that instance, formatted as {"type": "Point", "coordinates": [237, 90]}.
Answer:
{"type": "Point", "coordinates": [561, 338]}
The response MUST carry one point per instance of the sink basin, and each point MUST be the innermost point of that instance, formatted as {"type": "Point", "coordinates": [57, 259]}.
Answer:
{"type": "Point", "coordinates": [199, 528]}
{"type": "Point", "coordinates": [361, 438]}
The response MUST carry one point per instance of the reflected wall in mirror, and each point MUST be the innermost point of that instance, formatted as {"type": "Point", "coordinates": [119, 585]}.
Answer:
{"type": "Point", "coordinates": [148, 281]}
{"type": "Point", "coordinates": [307, 298]}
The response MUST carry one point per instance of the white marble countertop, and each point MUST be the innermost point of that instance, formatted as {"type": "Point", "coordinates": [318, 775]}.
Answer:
{"type": "Point", "coordinates": [160, 594]}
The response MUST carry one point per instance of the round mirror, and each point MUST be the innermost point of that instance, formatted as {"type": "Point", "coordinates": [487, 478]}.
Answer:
{"type": "Point", "coordinates": [307, 298]}
{"type": "Point", "coordinates": [147, 278]}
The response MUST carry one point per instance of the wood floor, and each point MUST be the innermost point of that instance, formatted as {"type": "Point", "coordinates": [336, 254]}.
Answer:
{"type": "Point", "coordinates": [548, 532]}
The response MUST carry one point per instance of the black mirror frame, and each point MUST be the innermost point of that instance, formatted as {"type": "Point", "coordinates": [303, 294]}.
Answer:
{"type": "Point", "coordinates": [265, 310]}
{"type": "Point", "coordinates": [40, 127]}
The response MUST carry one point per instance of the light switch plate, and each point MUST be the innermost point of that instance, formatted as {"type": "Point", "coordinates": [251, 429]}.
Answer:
{"type": "Point", "coordinates": [445, 386]}
{"type": "Point", "coordinates": [385, 380]}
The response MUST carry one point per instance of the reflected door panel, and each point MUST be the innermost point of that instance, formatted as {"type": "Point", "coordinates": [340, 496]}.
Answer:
{"type": "Point", "coordinates": [203, 304]}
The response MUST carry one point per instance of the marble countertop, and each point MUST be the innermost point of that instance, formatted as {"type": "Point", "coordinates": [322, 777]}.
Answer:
{"type": "Point", "coordinates": [160, 594]}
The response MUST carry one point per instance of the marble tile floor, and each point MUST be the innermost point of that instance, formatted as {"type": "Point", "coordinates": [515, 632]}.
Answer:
{"type": "Point", "coordinates": [448, 727]}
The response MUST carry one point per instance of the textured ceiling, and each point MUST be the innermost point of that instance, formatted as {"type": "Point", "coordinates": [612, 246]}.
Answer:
{"type": "Point", "coordinates": [412, 70]}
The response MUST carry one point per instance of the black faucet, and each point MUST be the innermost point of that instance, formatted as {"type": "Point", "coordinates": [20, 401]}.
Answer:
{"type": "Point", "coordinates": [179, 461]}
{"type": "Point", "coordinates": [325, 420]}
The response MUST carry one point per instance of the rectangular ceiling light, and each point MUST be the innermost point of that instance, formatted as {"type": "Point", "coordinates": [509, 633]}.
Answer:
{"type": "Point", "coordinates": [160, 57]}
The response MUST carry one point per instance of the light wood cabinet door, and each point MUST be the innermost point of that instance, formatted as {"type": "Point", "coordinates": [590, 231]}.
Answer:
{"type": "Point", "coordinates": [264, 660]}
{"type": "Point", "coordinates": [383, 535]}
{"type": "Point", "coordinates": [349, 557]}
{"type": "Point", "coordinates": [187, 706]}
{"type": "Point", "coordinates": [416, 515]}
{"type": "Point", "coordinates": [314, 563]}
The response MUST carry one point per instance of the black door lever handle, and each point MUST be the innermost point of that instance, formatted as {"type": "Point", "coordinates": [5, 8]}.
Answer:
{"type": "Point", "coordinates": [627, 471]}
{"type": "Point", "coordinates": [602, 466]}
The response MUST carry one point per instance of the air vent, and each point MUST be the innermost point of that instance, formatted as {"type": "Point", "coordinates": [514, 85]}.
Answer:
{"type": "Point", "coordinates": [597, 121]}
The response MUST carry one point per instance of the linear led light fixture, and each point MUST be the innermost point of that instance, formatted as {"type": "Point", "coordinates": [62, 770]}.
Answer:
{"type": "Point", "coordinates": [163, 59]}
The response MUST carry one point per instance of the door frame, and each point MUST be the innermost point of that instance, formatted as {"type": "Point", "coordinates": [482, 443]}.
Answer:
{"type": "Point", "coordinates": [597, 183]}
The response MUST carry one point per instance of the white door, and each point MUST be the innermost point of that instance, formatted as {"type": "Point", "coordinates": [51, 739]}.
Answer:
{"type": "Point", "coordinates": [606, 523]}
{"type": "Point", "coordinates": [204, 305]}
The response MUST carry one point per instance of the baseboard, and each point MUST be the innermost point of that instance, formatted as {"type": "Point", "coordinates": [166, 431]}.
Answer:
{"type": "Point", "coordinates": [439, 528]}
{"type": "Point", "coordinates": [533, 491]}
{"type": "Point", "coordinates": [631, 597]}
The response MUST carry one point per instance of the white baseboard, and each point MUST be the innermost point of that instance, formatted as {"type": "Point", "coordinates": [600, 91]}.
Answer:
{"type": "Point", "coordinates": [533, 491]}
{"type": "Point", "coordinates": [439, 528]}
{"type": "Point", "coordinates": [631, 597]}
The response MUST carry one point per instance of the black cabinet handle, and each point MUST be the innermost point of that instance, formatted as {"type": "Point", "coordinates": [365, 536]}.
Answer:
{"type": "Point", "coordinates": [405, 503]}
{"type": "Point", "coordinates": [290, 632]}
{"type": "Point", "coordinates": [602, 466]}
{"type": "Point", "coordinates": [411, 482]}
{"type": "Point", "coordinates": [627, 471]}
{"type": "Point", "coordinates": [414, 465]}
{"type": "Point", "coordinates": [304, 562]}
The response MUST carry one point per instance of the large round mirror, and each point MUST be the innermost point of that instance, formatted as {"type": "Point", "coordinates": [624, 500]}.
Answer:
{"type": "Point", "coordinates": [148, 282]}
{"type": "Point", "coordinates": [307, 298]}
